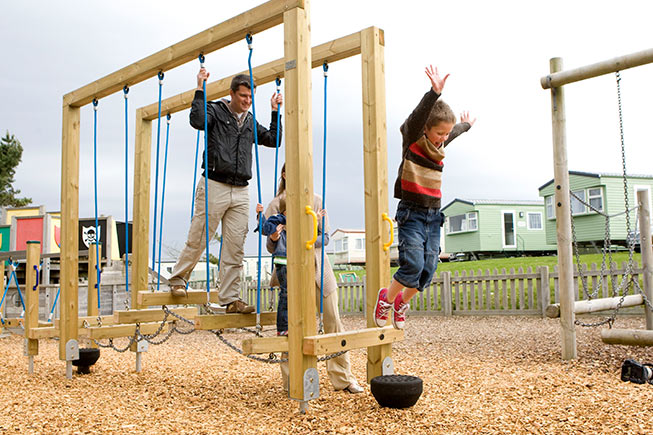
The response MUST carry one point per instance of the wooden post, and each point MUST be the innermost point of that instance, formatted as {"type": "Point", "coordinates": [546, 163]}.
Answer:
{"type": "Point", "coordinates": [92, 308]}
{"type": "Point", "coordinates": [299, 176]}
{"type": "Point", "coordinates": [32, 300]}
{"type": "Point", "coordinates": [375, 160]}
{"type": "Point", "coordinates": [69, 228]}
{"type": "Point", "coordinates": [447, 306]}
{"type": "Point", "coordinates": [647, 252]}
{"type": "Point", "coordinates": [545, 290]}
{"type": "Point", "coordinates": [563, 217]}
{"type": "Point", "coordinates": [141, 218]}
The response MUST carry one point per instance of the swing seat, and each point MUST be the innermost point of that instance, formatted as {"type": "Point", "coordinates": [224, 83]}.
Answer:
{"type": "Point", "coordinates": [396, 391]}
{"type": "Point", "coordinates": [87, 357]}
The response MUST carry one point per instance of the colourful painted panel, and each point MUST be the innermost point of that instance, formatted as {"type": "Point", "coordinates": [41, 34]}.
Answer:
{"type": "Point", "coordinates": [29, 228]}
{"type": "Point", "coordinates": [5, 237]}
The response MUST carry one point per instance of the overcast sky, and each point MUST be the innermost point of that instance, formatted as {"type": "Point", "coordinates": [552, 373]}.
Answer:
{"type": "Point", "coordinates": [496, 53]}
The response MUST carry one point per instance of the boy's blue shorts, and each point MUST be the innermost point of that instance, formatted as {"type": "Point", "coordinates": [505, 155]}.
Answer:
{"type": "Point", "coordinates": [419, 244]}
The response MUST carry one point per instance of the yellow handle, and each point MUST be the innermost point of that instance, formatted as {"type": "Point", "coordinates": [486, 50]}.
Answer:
{"type": "Point", "coordinates": [309, 210]}
{"type": "Point", "coordinates": [386, 246]}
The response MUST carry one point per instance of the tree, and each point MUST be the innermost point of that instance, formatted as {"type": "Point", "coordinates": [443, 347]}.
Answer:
{"type": "Point", "coordinates": [11, 153]}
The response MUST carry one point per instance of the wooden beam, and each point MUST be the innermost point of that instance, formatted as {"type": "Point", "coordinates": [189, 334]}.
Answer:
{"type": "Point", "coordinates": [563, 218]}
{"type": "Point", "coordinates": [41, 332]}
{"type": "Point", "coordinates": [92, 298]}
{"type": "Point", "coordinates": [141, 217]}
{"type": "Point", "coordinates": [252, 346]}
{"type": "Point", "coordinates": [331, 51]}
{"type": "Point", "coordinates": [254, 21]}
{"type": "Point", "coordinates": [68, 277]}
{"type": "Point", "coordinates": [338, 341]}
{"type": "Point", "coordinates": [560, 78]}
{"type": "Point", "coordinates": [117, 331]}
{"type": "Point", "coordinates": [32, 295]}
{"type": "Point", "coordinates": [597, 305]}
{"type": "Point", "coordinates": [225, 321]}
{"type": "Point", "coordinates": [194, 297]}
{"type": "Point", "coordinates": [152, 315]}
{"type": "Point", "coordinates": [630, 337]}
{"type": "Point", "coordinates": [299, 194]}
{"type": "Point", "coordinates": [647, 252]}
{"type": "Point", "coordinates": [88, 321]}
{"type": "Point", "coordinates": [375, 159]}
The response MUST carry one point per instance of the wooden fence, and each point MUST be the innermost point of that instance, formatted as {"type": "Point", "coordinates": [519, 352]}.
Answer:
{"type": "Point", "coordinates": [498, 292]}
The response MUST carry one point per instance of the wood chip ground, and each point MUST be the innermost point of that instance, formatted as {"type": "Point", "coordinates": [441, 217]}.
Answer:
{"type": "Point", "coordinates": [481, 375]}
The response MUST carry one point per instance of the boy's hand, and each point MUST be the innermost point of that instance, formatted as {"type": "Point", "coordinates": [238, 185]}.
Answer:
{"type": "Point", "coordinates": [321, 213]}
{"type": "Point", "coordinates": [464, 117]}
{"type": "Point", "coordinates": [259, 208]}
{"type": "Point", "coordinates": [275, 235]}
{"type": "Point", "coordinates": [437, 82]}
{"type": "Point", "coordinates": [202, 76]}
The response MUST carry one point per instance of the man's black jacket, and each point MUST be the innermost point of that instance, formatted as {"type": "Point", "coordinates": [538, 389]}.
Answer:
{"type": "Point", "coordinates": [230, 148]}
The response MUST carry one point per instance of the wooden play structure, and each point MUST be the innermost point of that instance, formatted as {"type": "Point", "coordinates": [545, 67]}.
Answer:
{"type": "Point", "coordinates": [568, 307]}
{"type": "Point", "coordinates": [303, 343]}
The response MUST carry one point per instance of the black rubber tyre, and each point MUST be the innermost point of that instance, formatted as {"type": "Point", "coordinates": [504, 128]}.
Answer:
{"type": "Point", "coordinates": [87, 357]}
{"type": "Point", "coordinates": [396, 391]}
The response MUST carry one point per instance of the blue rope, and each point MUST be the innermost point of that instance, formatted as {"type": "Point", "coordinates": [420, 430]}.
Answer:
{"type": "Point", "coordinates": [276, 151]}
{"type": "Point", "coordinates": [163, 197]}
{"type": "Point", "coordinates": [248, 37]}
{"type": "Point", "coordinates": [156, 176]}
{"type": "Point", "coordinates": [97, 225]}
{"type": "Point", "coordinates": [206, 183]}
{"type": "Point", "coordinates": [56, 298]}
{"type": "Point", "coordinates": [15, 278]}
{"type": "Point", "coordinates": [192, 203]}
{"type": "Point", "coordinates": [325, 67]}
{"type": "Point", "coordinates": [125, 90]}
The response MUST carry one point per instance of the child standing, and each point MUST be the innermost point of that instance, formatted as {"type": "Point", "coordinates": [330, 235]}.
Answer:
{"type": "Point", "coordinates": [425, 134]}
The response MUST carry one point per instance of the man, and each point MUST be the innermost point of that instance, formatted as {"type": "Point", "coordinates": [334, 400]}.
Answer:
{"type": "Point", "coordinates": [230, 128]}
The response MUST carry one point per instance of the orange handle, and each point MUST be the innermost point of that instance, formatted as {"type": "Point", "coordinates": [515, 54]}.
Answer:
{"type": "Point", "coordinates": [309, 210]}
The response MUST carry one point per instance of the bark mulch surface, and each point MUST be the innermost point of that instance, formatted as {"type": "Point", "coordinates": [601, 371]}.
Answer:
{"type": "Point", "coordinates": [481, 375]}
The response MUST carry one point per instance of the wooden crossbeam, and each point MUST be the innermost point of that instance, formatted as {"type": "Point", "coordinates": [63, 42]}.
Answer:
{"type": "Point", "coordinates": [631, 337]}
{"type": "Point", "coordinates": [152, 315]}
{"type": "Point", "coordinates": [221, 35]}
{"type": "Point", "coordinates": [596, 305]}
{"type": "Point", "coordinates": [339, 341]}
{"type": "Point", "coordinates": [13, 322]}
{"type": "Point", "coordinates": [116, 331]}
{"type": "Point", "coordinates": [331, 51]}
{"type": "Point", "coordinates": [42, 332]}
{"type": "Point", "coordinates": [225, 321]}
{"type": "Point", "coordinates": [90, 321]}
{"type": "Point", "coordinates": [194, 297]}
{"type": "Point", "coordinates": [265, 345]}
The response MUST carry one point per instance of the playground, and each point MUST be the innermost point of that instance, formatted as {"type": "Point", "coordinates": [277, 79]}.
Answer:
{"type": "Point", "coordinates": [485, 374]}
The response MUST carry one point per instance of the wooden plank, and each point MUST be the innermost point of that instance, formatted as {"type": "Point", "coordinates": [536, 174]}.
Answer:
{"type": "Point", "coordinates": [631, 337]}
{"type": "Point", "coordinates": [299, 194]}
{"type": "Point", "coordinates": [456, 284]}
{"type": "Point", "coordinates": [446, 294]}
{"type": "Point", "coordinates": [338, 341]}
{"type": "Point", "coordinates": [255, 20]}
{"type": "Point", "coordinates": [141, 217]}
{"type": "Point", "coordinates": [225, 321]}
{"type": "Point", "coordinates": [497, 290]}
{"type": "Point", "coordinates": [260, 345]}
{"type": "Point", "coordinates": [116, 331]}
{"type": "Point", "coordinates": [558, 78]}
{"type": "Point", "coordinates": [32, 295]}
{"type": "Point", "coordinates": [522, 295]}
{"type": "Point", "coordinates": [68, 277]}
{"type": "Point", "coordinates": [40, 333]}
{"type": "Point", "coordinates": [92, 294]}
{"type": "Point", "coordinates": [330, 52]}
{"type": "Point", "coordinates": [504, 290]}
{"type": "Point", "coordinates": [375, 175]}
{"type": "Point", "coordinates": [194, 297]}
{"type": "Point", "coordinates": [465, 289]}
{"type": "Point", "coordinates": [513, 295]}
{"type": "Point", "coordinates": [83, 321]}
{"type": "Point", "coordinates": [530, 291]}
{"type": "Point", "coordinates": [153, 315]}
{"type": "Point", "coordinates": [647, 253]}
{"type": "Point", "coordinates": [471, 285]}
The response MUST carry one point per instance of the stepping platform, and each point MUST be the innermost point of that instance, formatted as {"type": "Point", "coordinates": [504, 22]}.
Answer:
{"type": "Point", "coordinates": [265, 345]}
{"type": "Point", "coordinates": [152, 315]}
{"type": "Point", "coordinates": [116, 331]}
{"type": "Point", "coordinates": [338, 341]}
{"type": "Point", "coordinates": [631, 337]}
{"type": "Point", "coordinates": [596, 305]}
{"type": "Point", "coordinates": [194, 297]}
{"type": "Point", "coordinates": [225, 321]}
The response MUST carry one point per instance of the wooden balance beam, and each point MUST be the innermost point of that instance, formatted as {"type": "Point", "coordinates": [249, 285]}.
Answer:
{"type": "Point", "coordinates": [596, 305]}
{"type": "Point", "coordinates": [152, 315]}
{"type": "Point", "coordinates": [225, 321]}
{"type": "Point", "coordinates": [194, 297]}
{"type": "Point", "coordinates": [631, 337]}
{"type": "Point", "coordinates": [117, 331]}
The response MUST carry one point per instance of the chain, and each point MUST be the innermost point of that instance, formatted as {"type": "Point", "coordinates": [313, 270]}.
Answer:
{"type": "Point", "coordinates": [271, 359]}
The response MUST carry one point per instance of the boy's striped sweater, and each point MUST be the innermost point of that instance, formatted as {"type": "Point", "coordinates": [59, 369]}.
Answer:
{"type": "Point", "coordinates": [420, 173]}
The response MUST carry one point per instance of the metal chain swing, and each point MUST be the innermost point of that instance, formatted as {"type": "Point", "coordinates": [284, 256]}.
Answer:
{"type": "Point", "coordinates": [628, 278]}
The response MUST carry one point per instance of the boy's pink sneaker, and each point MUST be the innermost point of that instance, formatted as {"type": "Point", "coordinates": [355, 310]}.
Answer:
{"type": "Point", "coordinates": [399, 309]}
{"type": "Point", "coordinates": [382, 308]}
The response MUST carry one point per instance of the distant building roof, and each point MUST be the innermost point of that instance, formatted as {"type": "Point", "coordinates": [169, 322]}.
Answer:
{"type": "Point", "coordinates": [598, 175]}
{"type": "Point", "coordinates": [497, 201]}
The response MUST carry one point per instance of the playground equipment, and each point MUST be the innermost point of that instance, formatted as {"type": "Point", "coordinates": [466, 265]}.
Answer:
{"type": "Point", "coordinates": [302, 343]}
{"type": "Point", "coordinates": [568, 307]}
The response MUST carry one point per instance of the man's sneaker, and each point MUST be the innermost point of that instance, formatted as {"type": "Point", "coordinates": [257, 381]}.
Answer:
{"type": "Point", "coordinates": [354, 388]}
{"type": "Point", "coordinates": [382, 308]}
{"type": "Point", "coordinates": [399, 309]}
{"type": "Point", "coordinates": [239, 306]}
{"type": "Point", "coordinates": [179, 291]}
{"type": "Point", "coordinates": [282, 333]}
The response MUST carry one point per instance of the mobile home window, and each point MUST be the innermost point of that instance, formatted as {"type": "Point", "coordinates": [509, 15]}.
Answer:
{"type": "Point", "coordinates": [345, 244]}
{"type": "Point", "coordinates": [339, 245]}
{"type": "Point", "coordinates": [472, 222]}
{"type": "Point", "coordinates": [534, 221]}
{"type": "Point", "coordinates": [595, 196]}
{"type": "Point", "coordinates": [360, 244]}
{"type": "Point", "coordinates": [577, 207]}
{"type": "Point", "coordinates": [463, 222]}
{"type": "Point", "coordinates": [549, 207]}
